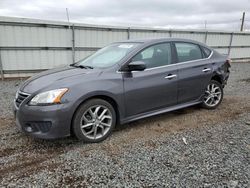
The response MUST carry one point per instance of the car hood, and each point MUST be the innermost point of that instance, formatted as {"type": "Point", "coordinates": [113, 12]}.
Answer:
{"type": "Point", "coordinates": [46, 78]}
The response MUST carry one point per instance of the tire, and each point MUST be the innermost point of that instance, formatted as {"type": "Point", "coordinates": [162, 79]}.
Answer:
{"type": "Point", "coordinates": [212, 98]}
{"type": "Point", "coordinates": [94, 121]}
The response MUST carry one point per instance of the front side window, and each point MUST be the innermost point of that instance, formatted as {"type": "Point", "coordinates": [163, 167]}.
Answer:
{"type": "Point", "coordinates": [108, 55]}
{"type": "Point", "coordinates": [188, 51]}
{"type": "Point", "coordinates": [155, 56]}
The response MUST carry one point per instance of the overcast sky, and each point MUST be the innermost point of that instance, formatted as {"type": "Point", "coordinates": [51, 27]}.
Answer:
{"type": "Point", "coordinates": [181, 14]}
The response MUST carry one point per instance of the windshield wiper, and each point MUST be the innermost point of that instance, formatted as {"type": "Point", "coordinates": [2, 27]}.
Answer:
{"type": "Point", "coordinates": [81, 66]}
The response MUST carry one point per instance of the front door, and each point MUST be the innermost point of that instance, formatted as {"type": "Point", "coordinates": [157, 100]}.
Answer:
{"type": "Point", "coordinates": [156, 86]}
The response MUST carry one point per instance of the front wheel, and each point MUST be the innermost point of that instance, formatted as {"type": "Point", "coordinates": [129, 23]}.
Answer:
{"type": "Point", "coordinates": [94, 120]}
{"type": "Point", "coordinates": [213, 95]}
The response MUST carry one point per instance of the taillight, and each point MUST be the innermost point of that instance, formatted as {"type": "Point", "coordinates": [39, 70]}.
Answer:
{"type": "Point", "coordinates": [228, 62]}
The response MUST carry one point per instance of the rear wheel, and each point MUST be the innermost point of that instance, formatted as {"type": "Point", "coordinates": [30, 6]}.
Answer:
{"type": "Point", "coordinates": [213, 95]}
{"type": "Point", "coordinates": [94, 120]}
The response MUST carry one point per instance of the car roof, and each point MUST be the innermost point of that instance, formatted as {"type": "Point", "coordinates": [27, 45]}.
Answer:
{"type": "Point", "coordinates": [156, 40]}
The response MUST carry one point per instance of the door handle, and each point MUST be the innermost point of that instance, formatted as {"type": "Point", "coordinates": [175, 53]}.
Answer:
{"type": "Point", "coordinates": [170, 76]}
{"type": "Point", "coordinates": [206, 70]}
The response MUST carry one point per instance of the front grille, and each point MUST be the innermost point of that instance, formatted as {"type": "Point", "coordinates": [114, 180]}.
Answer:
{"type": "Point", "coordinates": [20, 98]}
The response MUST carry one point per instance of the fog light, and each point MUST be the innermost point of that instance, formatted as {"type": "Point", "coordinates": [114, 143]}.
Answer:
{"type": "Point", "coordinates": [28, 129]}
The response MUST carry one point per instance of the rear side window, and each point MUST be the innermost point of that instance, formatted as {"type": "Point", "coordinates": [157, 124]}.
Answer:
{"type": "Point", "coordinates": [188, 51]}
{"type": "Point", "coordinates": [206, 52]}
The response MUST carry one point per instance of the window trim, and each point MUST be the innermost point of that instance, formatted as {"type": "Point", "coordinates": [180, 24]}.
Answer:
{"type": "Point", "coordinates": [184, 62]}
{"type": "Point", "coordinates": [174, 55]}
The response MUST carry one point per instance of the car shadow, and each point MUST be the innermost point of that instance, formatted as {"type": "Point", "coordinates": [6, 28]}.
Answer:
{"type": "Point", "coordinates": [158, 118]}
{"type": "Point", "coordinates": [71, 140]}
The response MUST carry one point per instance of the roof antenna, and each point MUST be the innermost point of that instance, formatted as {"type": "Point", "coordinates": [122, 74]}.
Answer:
{"type": "Point", "coordinates": [67, 12]}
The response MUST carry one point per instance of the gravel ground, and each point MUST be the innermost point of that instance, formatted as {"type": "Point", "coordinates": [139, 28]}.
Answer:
{"type": "Point", "coordinates": [193, 147]}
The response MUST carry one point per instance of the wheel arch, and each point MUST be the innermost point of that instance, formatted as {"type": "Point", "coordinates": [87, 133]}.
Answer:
{"type": "Point", "coordinates": [217, 78]}
{"type": "Point", "coordinates": [105, 97]}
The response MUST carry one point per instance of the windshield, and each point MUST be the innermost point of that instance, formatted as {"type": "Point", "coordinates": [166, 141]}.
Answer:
{"type": "Point", "coordinates": [108, 55]}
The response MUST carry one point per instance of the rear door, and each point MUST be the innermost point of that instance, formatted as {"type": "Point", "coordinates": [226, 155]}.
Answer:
{"type": "Point", "coordinates": [194, 71]}
{"type": "Point", "coordinates": [156, 86]}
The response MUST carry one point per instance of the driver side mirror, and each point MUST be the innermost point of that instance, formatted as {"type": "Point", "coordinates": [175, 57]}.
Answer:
{"type": "Point", "coordinates": [136, 66]}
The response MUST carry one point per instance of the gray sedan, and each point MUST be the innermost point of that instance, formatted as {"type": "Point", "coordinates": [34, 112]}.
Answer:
{"type": "Point", "coordinates": [120, 83]}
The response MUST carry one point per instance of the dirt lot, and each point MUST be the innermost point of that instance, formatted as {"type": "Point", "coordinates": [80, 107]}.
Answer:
{"type": "Point", "coordinates": [193, 147]}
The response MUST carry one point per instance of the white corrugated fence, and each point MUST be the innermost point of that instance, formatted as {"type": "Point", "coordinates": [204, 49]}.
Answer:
{"type": "Point", "coordinates": [28, 45]}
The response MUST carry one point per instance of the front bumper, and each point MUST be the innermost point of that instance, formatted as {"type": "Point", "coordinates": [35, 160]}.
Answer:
{"type": "Point", "coordinates": [46, 122]}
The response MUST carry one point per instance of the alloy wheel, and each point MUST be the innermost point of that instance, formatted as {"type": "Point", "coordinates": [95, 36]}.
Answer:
{"type": "Point", "coordinates": [96, 122]}
{"type": "Point", "coordinates": [213, 95]}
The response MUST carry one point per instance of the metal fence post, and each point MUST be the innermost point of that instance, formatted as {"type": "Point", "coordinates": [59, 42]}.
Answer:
{"type": "Point", "coordinates": [205, 39]}
{"type": "Point", "coordinates": [73, 43]}
{"type": "Point", "coordinates": [170, 33]}
{"type": "Point", "coordinates": [1, 67]}
{"type": "Point", "coordinates": [230, 44]}
{"type": "Point", "coordinates": [128, 31]}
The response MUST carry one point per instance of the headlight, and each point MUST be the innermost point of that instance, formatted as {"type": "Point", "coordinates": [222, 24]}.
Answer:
{"type": "Point", "coordinates": [48, 97]}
